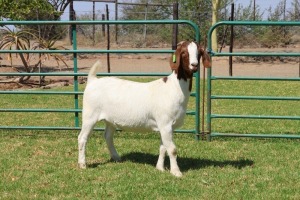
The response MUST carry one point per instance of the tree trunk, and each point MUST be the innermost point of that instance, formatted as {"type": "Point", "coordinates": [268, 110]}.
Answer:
{"type": "Point", "coordinates": [215, 9]}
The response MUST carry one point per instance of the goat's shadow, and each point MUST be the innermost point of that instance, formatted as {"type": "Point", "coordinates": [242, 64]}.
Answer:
{"type": "Point", "coordinates": [185, 164]}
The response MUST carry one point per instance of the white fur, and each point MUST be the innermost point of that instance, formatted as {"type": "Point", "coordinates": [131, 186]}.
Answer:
{"type": "Point", "coordinates": [159, 105]}
{"type": "Point", "coordinates": [193, 52]}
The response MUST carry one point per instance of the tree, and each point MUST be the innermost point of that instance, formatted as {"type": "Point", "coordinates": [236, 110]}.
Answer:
{"type": "Point", "coordinates": [294, 13]}
{"type": "Point", "coordinates": [59, 5]}
{"type": "Point", "coordinates": [24, 10]}
{"type": "Point", "coordinates": [248, 35]}
{"type": "Point", "coordinates": [27, 10]}
{"type": "Point", "coordinates": [247, 13]}
{"type": "Point", "coordinates": [198, 11]}
{"type": "Point", "coordinates": [35, 10]}
{"type": "Point", "coordinates": [147, 10]}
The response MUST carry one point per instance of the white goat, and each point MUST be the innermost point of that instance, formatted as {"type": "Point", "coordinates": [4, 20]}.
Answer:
{"type": "Point", "coordinates": [159, 105]}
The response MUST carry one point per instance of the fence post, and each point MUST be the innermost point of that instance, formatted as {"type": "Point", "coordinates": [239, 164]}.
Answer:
{"type": "Point", "coordinates": [71, 18]}
{"type": "Point", "coordinates": [103, 26]}
{"type": "Point", "coordinates": [231, 39]}
{"type": "Point", "coordinates": [175, 27]}
{"type": "Point", "coordinates": [76, 102]}
{"type": "Point", "coordinates": [94, 17]}
{"type": "Point", "coordinates": [145, 25]}
{"type": "Point", "coordinates": [108, 39]}
{"type": "Point", "coordinates": [116, 18]}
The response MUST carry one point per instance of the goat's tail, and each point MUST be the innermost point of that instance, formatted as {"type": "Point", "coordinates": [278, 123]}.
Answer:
{"type": "Point", "coordinates": [93, 71]}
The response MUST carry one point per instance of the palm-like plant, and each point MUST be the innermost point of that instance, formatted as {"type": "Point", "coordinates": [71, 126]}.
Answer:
{"type": "Point", "coordinates": [49, 44]}
{"type": "Point", "coordinates": [18, 40]}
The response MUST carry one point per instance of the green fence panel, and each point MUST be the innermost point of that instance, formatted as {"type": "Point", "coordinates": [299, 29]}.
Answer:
{"type": "Point", "coordinates": [210, 97]}
{"type": "Point", "coordinates": [75, 51]}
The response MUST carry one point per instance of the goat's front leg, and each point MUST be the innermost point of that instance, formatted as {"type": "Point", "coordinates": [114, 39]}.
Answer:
{"type": "Point", "coordinates": [167, 141]}
{"type": "Point", "coordinates": [109, 134]}
{"type": "Point", "coordinates": [161, 158]}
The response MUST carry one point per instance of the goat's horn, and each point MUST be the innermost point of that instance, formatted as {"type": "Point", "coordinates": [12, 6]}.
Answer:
{"type": "Point", "coordinates": [180, 43]}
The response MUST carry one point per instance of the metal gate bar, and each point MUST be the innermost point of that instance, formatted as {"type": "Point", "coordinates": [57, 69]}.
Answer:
{"type": "Point", "coordinates": [76, 110]}
{"type": "Point", "coordinates": [211, 78]}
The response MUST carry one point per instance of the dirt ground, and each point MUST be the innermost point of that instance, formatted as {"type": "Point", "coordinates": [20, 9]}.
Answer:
{"type": "Point", "coordinates": [275, 67]}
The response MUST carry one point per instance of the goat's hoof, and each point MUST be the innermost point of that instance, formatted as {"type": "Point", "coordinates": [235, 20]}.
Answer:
{"type": "Point", "coordinates": [116, 159]}
{"type": "Point", "coordinates": [82, 165]}
{"type": "Point", "coordinates": [176, 173]}
{"type": "Point", "coordinates": [160, 168]}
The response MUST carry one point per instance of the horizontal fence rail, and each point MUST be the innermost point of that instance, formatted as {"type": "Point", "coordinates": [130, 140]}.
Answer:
{"type": "Point", "coordinates": [215, 97]}
{"type": "Point", "coordinates": [76, 93]}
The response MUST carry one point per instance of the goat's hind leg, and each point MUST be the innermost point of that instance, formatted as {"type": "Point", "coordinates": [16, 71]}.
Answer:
{"type": "Point", "coordinates": [86, 130]}
{"type": "Point", "coordinates": [109, 137]}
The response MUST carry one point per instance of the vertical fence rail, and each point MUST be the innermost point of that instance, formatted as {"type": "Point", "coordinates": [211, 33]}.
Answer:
{"type": "Point", "coordinates": [76, 101]}
{"type": "Point", "coordinates": [210, 116]}
{"type": "Point", "coordinates": [76, 74]}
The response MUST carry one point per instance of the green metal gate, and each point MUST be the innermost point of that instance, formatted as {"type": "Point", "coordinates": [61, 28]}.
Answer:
{"type": "Point", "coordinates": [212, 97]}
{"type": "Point", "coordinates": [75, 93]}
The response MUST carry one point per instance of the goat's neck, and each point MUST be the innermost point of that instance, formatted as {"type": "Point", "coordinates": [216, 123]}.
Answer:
{"type": "Point", "coordinates": [183, 85]}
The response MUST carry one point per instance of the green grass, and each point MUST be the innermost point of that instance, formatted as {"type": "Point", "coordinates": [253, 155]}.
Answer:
{"type": "Point", "coordinates": [43, 164]}
{"type": "Point", "coordinates": [256, 107]}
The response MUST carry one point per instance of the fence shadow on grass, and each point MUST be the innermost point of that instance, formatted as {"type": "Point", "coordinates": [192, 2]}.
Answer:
{"type": "Point", "coordinates": [186, 164]}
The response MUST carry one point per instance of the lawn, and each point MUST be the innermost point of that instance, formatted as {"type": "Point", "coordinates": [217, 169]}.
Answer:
{"type": "Point", "coordinates": [43, 164]}
{"type": "Point", "coordinates": [256, 107]}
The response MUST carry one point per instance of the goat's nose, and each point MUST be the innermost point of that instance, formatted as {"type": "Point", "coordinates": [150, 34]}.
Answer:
{"type": "Point", "coordinates": [194, 64]}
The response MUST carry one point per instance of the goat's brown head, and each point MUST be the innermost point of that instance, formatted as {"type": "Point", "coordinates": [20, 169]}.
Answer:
{"type": "Point", "coordinates": [185, 60]}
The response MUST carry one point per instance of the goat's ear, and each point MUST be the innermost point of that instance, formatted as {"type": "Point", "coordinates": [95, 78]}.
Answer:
{"type": "Point", "coordinates": [205, 57]}
{"type": "Point", "coordinates": [175, 59]}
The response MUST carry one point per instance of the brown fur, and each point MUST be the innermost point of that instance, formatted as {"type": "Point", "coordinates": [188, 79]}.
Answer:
{"type": "Point", "coordinates": [165, 79]}
{"type": "Point", "coordinates": [205, 57]}
{"type": "Point", "coordinates": [181, 66]}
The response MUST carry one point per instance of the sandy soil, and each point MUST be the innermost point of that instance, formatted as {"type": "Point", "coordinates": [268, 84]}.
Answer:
{"type": "Point", "coordinates": [151, 63]}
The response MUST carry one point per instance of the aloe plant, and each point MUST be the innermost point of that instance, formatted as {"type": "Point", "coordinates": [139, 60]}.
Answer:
{"type": "Point", "coordinates": [50, 44]}
{"type": "Point", "coordinates": [13, 39]}
{"type": "Point", "coordinates": [20, 40]}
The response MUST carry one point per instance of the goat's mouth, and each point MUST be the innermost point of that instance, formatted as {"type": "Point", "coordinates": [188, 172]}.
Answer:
{"type": "Point", "coordinates": [194, 69]}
